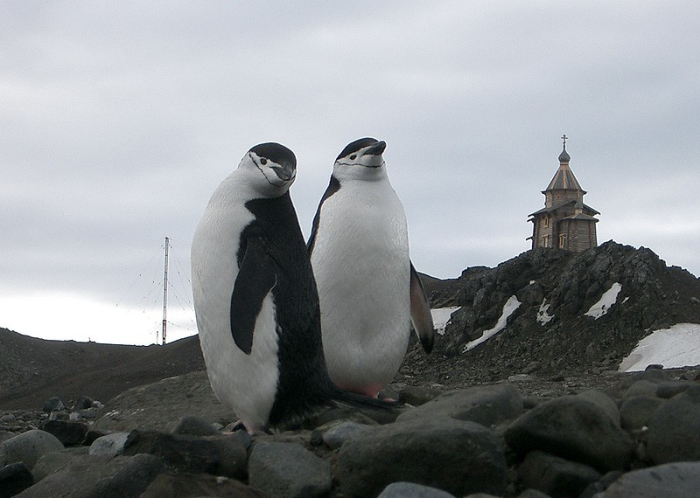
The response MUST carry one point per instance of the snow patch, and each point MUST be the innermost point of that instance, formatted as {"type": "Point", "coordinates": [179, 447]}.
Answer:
{"type": "Point", "coordinates": [606, 301]}
{"type": "Point", "coordinates": [511, 305]}
{"type": "Point", "coordinates": [678, 346]}
{"type": "Point", "coordinates": [441, 316]}
{"type": "Point", "coordinates": [543, 316]}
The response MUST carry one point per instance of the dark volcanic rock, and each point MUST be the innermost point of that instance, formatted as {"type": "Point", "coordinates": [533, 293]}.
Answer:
{"type": "Point", "coordinates": [485, 405]}
{"type": "Point", "coordinates": [202, 485]}
{"type": "Point", "coordinates": [674, 429]}
{"type": "Point", "coordinates": [181, 453]}
{"type": "Point", "coordinates": [28, 447]}
{"type": "Point", "coordinates": [411, 490]}
{"type": "Point", "coordinates": [99, 477]}
{"type": "Point", "coordinates": [673, 480]}
{"type": "Point", "coordinates": [555, 476]}
{"type": "Point", "coordinates": [636, 411]}
{"type": "Point", "coordinates": [456, 456]}
{"type": "Point", "coordinates": [13, 479]}
{"type": "Point", "coordinates": [572, 428]}
{"type": "Point", "coordinates": [69, 433]}
{"type": "Point", "coordinates": [288, 470]}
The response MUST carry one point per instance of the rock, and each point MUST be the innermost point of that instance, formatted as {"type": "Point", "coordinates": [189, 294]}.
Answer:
{"type": "Point", "coordinates": [674, 429]}
{"type": "Point", "coordinates": [69, 433]}
{"type": "Point", "coordinates": [28, 447]}
{"type": "Point", "coordinates": [532, 493]}
{"type": "Point", "coordinates": [99, 477]}
{"type": "Point", "coordinates": [14, 478]}
{"type": "Point", "coordinates": [670, 388]}
{"type": "Point", "coordinates": [340, 414]}
{"type": "Point", "coordinates": [575, 429]}
{"type": "Point", "coordinates": [338, 434]}
{"type": "Point", "coordinates": [189, 485]}
{"type": "Point", "coordinates": [51, 463]}
{"type": "Point", "coordinates": [603, 401]}
{"type": "Point", "coordinates": [82, 403]}
{"type": "Point", "coordinates": [288, 470]}
{"type": "Point", "coordinates": [53, 404]}
{"type": "Point", "coordinates": [672, 480]}
{"type": "Point", "coordinates": [194, 426]}
{"type": "Point", "coordinates": [411, 490]}
{"type": "Point", "coordinates": [159, 406]}
{"type": "Point", "coordinates": [641, 388]}
{"type": "Point", "coordinates": [485, 405]}
{"type": "Point", "coordinates": [636, 411]}
{"type": "Point", "coordinates": [460, 457]}
{"type": "Point", "coordinates": [181, 453]}
{"type": "Point", "coordinates": [110, 444]}
{"type": "Point", "coordinates": [555, 476]}
{"type": "Point", "coordinates": [416, 396]}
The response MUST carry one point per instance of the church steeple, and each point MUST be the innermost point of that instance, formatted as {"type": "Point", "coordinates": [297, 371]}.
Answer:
{"type": "Point", "coordinates": [564, 178]}
{"type": "Point", "coordinates": [565, 221]}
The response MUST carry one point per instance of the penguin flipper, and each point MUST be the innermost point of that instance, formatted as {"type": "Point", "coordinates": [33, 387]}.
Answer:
{"type": "Point", "coordinates": [420, 313]}
{"type": "Point", "coordinates": [256, 277]}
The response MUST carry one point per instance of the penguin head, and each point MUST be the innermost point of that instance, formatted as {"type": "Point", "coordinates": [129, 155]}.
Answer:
{"type": "Point", "coordinates": [270, 169]}
{"type": "Point", "coordinates": [361, 160]}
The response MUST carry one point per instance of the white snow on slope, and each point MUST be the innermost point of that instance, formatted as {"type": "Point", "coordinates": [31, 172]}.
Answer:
{"type": "Point", "coordinates": [606, 301]}
{"type": "Point", "coordinates": [678, 346]}
{"type": "Point", "coordinates": [511, 305]}
{"type": "Point", "coordinates": [543, 316]}
{"type": "Point", "coordinates": [441, 316]}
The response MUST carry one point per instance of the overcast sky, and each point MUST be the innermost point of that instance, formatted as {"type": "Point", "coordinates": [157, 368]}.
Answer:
{"type": "Point", "coordinates": [118, 120]}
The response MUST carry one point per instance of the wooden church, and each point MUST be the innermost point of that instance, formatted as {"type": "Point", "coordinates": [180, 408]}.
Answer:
{"type": "Point", "coordinates": [565, 222]}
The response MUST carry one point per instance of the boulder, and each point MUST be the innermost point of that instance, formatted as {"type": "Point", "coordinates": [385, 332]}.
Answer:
{"type": "Point", "coordinates": [194, 426]}
{"type": "Point", "coordinates": [555, 476]}
{"type": "Point", "coordinates": [603, 401]}
{"type": "Point", "coordinates": [636, 411]}
{"type": "Point", "coordinates": [412, 490]}
{"type": "Point", "coordinates": [221, 455]}
{"type": "Point", "coordinates": [338, 434]}
{"type": "Point", "coordinates": [485, 405]}
{"type": "Point", "coordinates": [674, 429]}
{"type": "Point", "coordinates": [109, 444]}
{"type": "Point", "coordinates": [459, 457]}
{"type": "Point", "coordinates": [69, 433]}
{"type": "Point", "coordinates": [53, 404]}
{"type": "Point", "coordinates": [672, 480]}
{"type": "Point", "coordinates": [575, 429]}
{"type": "Point", "coordinates": [89, 476]}
{"type": "Point", "coordinates": [28, 447]}
{"type": "Point", "coordinates": [288, 470]}
{"type": "Point", "coordinates": [14, 478]}
{"type": "Point", "coordinates": [202, 485]}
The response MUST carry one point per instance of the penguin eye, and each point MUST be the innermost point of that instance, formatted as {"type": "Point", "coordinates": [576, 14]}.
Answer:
{"type": "Point", "coordinates": [354, 156]}
{"type": "Point", "coordinates": [263, 161]}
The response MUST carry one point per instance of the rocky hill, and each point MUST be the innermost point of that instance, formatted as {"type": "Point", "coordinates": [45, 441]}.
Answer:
{"type": "Point", "coordinates": [555, 327]}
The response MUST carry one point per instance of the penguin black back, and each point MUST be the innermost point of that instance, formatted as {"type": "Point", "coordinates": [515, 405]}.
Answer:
{"type": "Point", "coordinates": [303, 381]}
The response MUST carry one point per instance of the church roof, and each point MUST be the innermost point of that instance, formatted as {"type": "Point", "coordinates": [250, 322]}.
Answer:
{"type": "Point", "coordinates": [564, 178]}
{"type": "Point", "coordinates": [586, 208]}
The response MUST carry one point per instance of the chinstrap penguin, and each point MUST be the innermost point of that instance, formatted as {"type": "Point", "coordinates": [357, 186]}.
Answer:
{"type": "Point", "coordinates": [368, 288]}
{"type": "Point", "coordinates": [256, 300]}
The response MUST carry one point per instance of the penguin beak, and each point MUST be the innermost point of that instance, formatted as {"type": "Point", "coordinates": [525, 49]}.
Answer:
{"type": "Point", "coordinates": [284, 172]}
{"type": "Point", "coordinates": [376, 150]}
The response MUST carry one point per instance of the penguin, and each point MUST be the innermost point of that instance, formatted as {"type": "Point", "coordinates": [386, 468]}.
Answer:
{"type": "Point", "coordinates": [369, 290]}
{"type": "Point", "coordinates": [255, 298]}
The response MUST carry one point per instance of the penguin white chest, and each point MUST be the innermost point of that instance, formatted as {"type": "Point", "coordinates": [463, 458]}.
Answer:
{"type": "Point", "coordinates": [362, 268]}
{"type": "Point", "coordinates": [244, 382]}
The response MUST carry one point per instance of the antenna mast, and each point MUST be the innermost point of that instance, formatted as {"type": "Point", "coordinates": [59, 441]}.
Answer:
{"type": "Point", "coordinates": [165, 289]}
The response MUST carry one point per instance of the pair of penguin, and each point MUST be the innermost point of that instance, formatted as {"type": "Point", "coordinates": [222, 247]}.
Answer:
{"type": "Point", "coordinates": [288, 327]}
